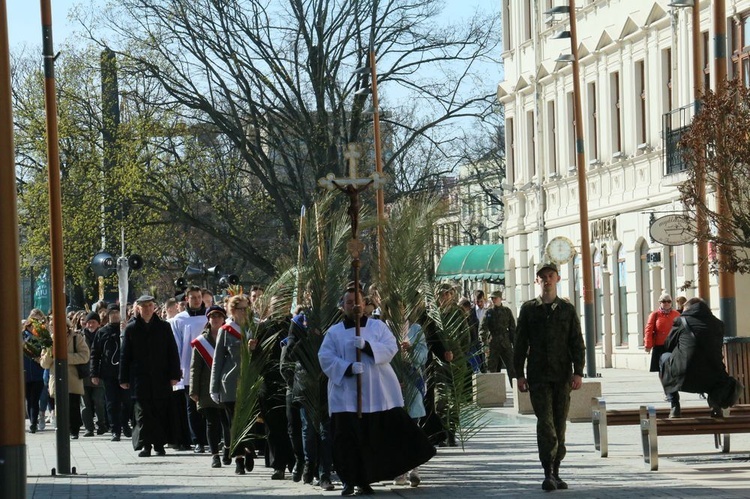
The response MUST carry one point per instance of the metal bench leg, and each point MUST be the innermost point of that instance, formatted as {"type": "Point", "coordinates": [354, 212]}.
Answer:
{"type": "Point", "coordinates": [599, 422]}
{"type": "Point", "coordinates": [649, 437]}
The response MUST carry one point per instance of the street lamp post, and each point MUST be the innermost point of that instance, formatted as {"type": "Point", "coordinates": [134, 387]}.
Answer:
{"type": "Point", "coordinates": [727, 302]}
{"type": "Point", "coordinates": [586, 262]}
{"type": "Point", "coordinates": [12, 434]}
{"type": "Point", "coordinates": [704, 288]}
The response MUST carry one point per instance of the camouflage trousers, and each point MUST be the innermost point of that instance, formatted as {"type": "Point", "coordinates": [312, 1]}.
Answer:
{"type": "Point", "coordinates": [501, 352]}
{"type": "Point", "coordinates": [551, 402]}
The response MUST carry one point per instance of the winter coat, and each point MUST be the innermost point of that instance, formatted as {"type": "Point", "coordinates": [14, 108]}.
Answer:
{"type": "Point", "coordinates": [697, 361]}
{"type": "Point", "coordinates": [149, 359]}
{"type": "Point", "coordinates": [310, 385]}
{"type": "Point", "coordinates": [105, 352]}
{"type": "Point", "coordinates": [270, 335]}
{"type": "Point", "coordinates": [226, 369]}
{"type": "Point", "coordinates": [200, 375]}
{"type": "Point", "coordinates": [81, 355]}
{"type": "Point", "coordinates": [658, 326]}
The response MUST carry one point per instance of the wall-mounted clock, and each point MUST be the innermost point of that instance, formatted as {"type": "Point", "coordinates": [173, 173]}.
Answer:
{"type": "Point", "coordinates": [560, 250]}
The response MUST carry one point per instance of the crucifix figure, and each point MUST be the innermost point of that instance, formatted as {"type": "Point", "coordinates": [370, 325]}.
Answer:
{"type": "Point", "coordinates": [352, 186]}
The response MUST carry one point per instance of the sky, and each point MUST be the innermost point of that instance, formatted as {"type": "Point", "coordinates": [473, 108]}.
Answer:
{"type": "Point", "coordinates": [25, 25]}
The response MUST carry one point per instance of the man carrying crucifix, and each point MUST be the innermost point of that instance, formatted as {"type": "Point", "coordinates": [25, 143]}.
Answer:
{"type": "Point", "coordinates": [384, 442]}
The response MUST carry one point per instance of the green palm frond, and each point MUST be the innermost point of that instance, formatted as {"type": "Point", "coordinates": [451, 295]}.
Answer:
{"type": "Point", "coordinates": [408, 237]}
{"type": "Point", "coordinates": [453, 380]}
{"type": "Point", "coordinates": [274, 303]}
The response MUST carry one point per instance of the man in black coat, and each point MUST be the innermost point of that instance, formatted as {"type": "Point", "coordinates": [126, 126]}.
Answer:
{"type": "Point", "coordinates": [149, 367]}
{"type": "Point", "coordinates": [694, 360]}
{"type": "Point", "coordinates": [105, 369]}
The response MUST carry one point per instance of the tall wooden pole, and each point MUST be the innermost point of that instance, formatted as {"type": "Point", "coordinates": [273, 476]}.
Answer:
{"type": "Point", "coordinates": [583, 207]}
{"type": "Point", "coordinates": [727, 303]}
{"type": "Point", "coordinates": [379, 194]}
{"type": "Point", "coordinates": [12, 431]}
{"type": "Point", "coordinates": [704, 286]}
{"type": "Point", "coordinates": [57, 265]}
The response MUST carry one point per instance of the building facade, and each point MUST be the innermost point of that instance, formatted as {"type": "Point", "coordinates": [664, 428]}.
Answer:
{"type": "Point", "coordinates": [636, 89]}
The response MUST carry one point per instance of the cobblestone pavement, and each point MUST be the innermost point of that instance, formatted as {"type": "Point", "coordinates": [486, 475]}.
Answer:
{"type": "Point", "coordinates": [501, 461]}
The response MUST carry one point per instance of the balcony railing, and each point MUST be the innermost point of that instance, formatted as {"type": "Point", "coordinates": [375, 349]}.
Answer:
{"type": "Point", "coordinates": [674, 124]}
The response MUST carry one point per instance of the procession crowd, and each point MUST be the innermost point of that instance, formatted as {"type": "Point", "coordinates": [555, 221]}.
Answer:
{"type": "Point", "coordinates": [358, 399]}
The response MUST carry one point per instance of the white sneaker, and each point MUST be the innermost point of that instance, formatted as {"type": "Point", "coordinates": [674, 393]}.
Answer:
{"type": "Point", "coordinates": [53, 422]}
{"type": "Point", "coordinates": [400, 480]}
{"type": "Point", "coordinates": [414, 479]}
{"type": "Point", "coordinates": [42, 424]}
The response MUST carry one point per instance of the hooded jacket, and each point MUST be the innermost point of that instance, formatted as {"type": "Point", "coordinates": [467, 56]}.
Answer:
{"type": "Point", "coordinates": [697, 361]}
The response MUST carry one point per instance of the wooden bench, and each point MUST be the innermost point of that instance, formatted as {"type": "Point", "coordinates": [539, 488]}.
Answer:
{"type": "Point", "coordinates": [601, 419]}
{"type": "Point", "coordinates": [653, 426]}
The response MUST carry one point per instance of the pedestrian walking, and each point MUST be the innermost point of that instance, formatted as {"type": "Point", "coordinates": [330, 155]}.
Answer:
{"type": "Point", "coordinates": [149, 368]}
{"type": "Point", "coordinates": [549, 336]}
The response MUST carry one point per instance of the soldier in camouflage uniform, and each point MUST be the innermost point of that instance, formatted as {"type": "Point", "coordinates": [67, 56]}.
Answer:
{"type": "Point", "coordinates": [549, 334]}
{"type": "Point", "coordinates": [498, 329]}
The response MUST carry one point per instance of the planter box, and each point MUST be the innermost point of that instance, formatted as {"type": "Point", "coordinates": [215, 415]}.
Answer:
{"type": "Point", "coordinates": [489, 389]}
{"type": "Point", "coordinates": [580, 401]}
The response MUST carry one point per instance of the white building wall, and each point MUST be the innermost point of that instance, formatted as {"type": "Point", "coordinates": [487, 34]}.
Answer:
{"type": "Point", "coordinates": [626, 184]}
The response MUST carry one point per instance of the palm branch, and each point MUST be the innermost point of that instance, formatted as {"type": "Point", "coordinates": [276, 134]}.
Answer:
{"type": "Point", "coordinates": [274, 303]}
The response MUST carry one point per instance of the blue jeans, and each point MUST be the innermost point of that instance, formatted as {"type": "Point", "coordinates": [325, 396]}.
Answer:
{"type": "Point", "coordinates": [318, 444]}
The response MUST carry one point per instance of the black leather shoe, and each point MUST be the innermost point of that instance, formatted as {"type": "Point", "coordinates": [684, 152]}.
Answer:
{"type": "Point", "coordinates": [127, 431]}
{"type": "Point", "coordinates": [249, 462]}
{"type": "Point", "coordinates": [160, 451]}
{"type": "Point", "coordinates": [278, 475]}
{"type": "Point", "coordinates": [115, 438]}
{"type": "Point", "coordinates": [216, 462]}
{"type": "Point", "coordinates": [225, 459]}
{"type": "Point", "coordinates": [74, 436]}
{"type": "Point", "coordinates": [239, 467]}
{"type": "Point", "coordinates": [365, 490]}
{"type": "Point", "coordinates": [199, 449]}
{"type": "Point", "coordinates": [146, 452]}
{"type": "Point", "coordinates": [89, 433]}
{"type": "Point", "coordinates": [348, 490]}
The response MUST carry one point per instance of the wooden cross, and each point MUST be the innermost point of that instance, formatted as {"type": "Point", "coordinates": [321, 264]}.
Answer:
{"type": "Point", "coordinates": [352, 186]}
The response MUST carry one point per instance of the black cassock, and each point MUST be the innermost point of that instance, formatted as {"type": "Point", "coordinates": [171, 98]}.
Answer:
{"type": "Point", "coordinates": [380, 446]}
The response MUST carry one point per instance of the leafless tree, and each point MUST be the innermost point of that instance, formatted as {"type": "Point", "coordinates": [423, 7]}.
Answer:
{"type": "Point", "coordinates": [275, 81]}
{"type": "Point", "coordinates": [717, 149]}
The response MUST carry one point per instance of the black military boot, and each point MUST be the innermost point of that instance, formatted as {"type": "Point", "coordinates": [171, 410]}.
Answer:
{"type": "Point", "coordinates": [549, 482]}
{"type": "Point", "coordinates": [561, 485]}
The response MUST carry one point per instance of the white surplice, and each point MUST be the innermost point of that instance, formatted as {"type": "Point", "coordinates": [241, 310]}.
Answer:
{"type": "Point", "coordinates": [381, 390]}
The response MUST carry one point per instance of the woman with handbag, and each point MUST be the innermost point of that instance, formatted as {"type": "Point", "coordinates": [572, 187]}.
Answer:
{"type": "Point", "coordinates": [78, 359]}
{"type": "Point", "coordinates": [657, 329]}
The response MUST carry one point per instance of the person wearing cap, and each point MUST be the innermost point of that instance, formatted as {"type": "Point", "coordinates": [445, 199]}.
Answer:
{"type": "Point", "coordinates": [217, 424]}
{"type": "Point", "coordinates": [92, 402]}
{"type": "Point", "coordinates": [149, 368]}
{"type": "Point", "coordinates": [548, 334]}
{"type": "Point", "coordinates": [105, 369]}
{"type": "Point", "coordinates": [498, 329]}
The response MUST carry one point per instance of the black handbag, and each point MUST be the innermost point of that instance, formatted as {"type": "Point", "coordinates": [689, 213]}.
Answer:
{"type": "Point", "coordinates": [84, 370]}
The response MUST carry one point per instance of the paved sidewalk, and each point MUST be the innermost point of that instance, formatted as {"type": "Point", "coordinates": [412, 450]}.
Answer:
{"type": "Point", "coordinates": [500, 462]}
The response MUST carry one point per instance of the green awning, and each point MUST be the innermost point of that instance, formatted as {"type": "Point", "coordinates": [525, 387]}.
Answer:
{"type": "Point", "coordinates": [485, 262]}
